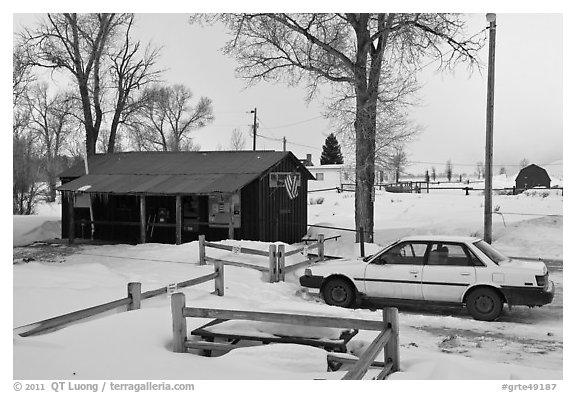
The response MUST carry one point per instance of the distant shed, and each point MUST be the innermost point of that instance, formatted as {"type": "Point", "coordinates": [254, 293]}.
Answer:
{"type": "Point", "coordinates": [532, 176]}
{"type": "Point", "coordinates": [173, 197]}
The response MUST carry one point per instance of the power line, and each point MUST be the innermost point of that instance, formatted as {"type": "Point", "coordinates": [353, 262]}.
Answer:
{"type": "Point", "coordinates": [294, 124]}
{"type": "Point", "coordinates": [288, 142]}
{"type": "Point", "coordinates": [476, 164]}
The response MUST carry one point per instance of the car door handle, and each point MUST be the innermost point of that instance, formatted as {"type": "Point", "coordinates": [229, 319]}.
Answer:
{"type": "Point", "coordinates": [414, 271]}
{"type": "Point", "coordinates": [464, 274]}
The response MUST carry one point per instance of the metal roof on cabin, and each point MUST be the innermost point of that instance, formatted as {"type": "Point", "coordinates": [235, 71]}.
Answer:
{"type": "Point", "coordinates": [159, 184]}
{"type": "Point", "coordinates": [172, 172]}
{"type": "Point", "coordinates": [177, 163]}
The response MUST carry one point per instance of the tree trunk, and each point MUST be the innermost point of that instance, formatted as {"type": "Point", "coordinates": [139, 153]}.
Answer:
{"type": "Point", "coordinates": [114, 128]}
{"type": "Point", "coordinates": [365, 129]}
{"type": "Point", "coordinates": [365, 126]}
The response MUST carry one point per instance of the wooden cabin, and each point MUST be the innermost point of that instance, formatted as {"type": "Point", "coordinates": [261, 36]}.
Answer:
{"type": "Point", "coordinates": [173, 197]}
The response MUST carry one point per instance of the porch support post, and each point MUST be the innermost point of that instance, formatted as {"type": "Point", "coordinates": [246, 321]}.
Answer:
{"type": "Point", "coordinates": [142, 219]}
{"type": "Point", "coordinates": [71, 228]}
{"type": "Point", "coordinates": [178, 219]}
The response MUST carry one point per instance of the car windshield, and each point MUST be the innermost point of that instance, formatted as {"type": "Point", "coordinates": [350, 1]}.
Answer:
{"type": "Point", "coordinates": [370, 257]}
{"type": "Point", "coordinates": [496, 256]}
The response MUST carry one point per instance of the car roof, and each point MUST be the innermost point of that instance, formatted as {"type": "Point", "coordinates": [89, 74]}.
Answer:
{"type": "Point", "coordinates": [441, 238]}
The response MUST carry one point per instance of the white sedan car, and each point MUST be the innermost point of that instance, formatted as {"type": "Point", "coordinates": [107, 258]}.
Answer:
{"type": "Point", "coordinates": [443, 270]}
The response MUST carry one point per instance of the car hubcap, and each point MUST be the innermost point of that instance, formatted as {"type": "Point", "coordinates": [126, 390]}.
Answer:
{"type": "Point", "coordinates": [339, 294]}
{"type": "Point", "coordinates": [484, 304]}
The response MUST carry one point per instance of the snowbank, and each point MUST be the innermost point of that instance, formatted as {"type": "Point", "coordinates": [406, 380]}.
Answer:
{"type": "Point", "coordinates": [137, 345]}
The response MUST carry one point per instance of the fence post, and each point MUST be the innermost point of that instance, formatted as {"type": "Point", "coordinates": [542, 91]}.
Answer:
{"type": "Point", "coordinates": [321, 246]}
{"type": "Point", "coordinates": [281, 274]}
{"type": "Point", "coordinates": [134, 293]}
{"type": "Point", "coordinates": [272, 266]}
{"type": "Point", "coordinates": [178, 301]}
{"type": "Point", "coordinates": [362, 242]}
{"type": "Point", "coordinates": [202, 249]}
{"type": "Point", "coordinates": [392, 347]}
{"type": "Point", "coordinates": [219, 280]}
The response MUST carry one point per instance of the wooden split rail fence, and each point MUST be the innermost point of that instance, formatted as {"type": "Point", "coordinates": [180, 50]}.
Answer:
{"type": "Point", "coordinates": [131, 302]}
{"type": "Point", "coordinates": [387, 340]}
{"type": "Point", "coordinates": [276, 267]}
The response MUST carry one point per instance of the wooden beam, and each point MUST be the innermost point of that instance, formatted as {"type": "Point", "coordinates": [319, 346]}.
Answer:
{"type": "Point", "coordinates": [178, 219]}
{"type": "Point", "coordinates": [281, 263]}
{"type": "Point", "coordinates": [63, 320]}
{"type": "Point", "coordinates": [243, 250]}
{"type": "Point", "coordinates": [239, 264]}
{"type": "Point", "coordinates": [142, 219]}
{"type": "Point", "coordinates": [392, 347]}
{"type": "Point", "coordinates": [135, 295]}
{"type": "Point", "coordinates": [71, 228]}
{"type": "Point", "coordinates": [272, 265]}
{"type": "Point", "coordinates": [178, 302]}
{"type": "Point", "coordinates": [219, 280]}
{"type": "Point", "coordinates": [349, 359]}
{"type": "Point", "coordinates": [361, 366]}
{"type": "Point", "coordinates": [293, 319]}
{"type": "Point", "coordinates": [202, 250]}
{"type": "Point", "coordinates": [210, 346]}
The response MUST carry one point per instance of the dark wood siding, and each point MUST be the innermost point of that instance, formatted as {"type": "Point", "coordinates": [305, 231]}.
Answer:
{"type": "Point", "coordinates": [250, 204]}
{"type": "Point", "coordinates": [267, 214]}
{"type": "Point", "coordinates": [283, 219]}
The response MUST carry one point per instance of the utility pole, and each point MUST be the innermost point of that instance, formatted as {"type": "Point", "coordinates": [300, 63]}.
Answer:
{"type": "Point", "coordinates": [254, 129]}
{"type": "Point", "coordinates": [284, 143]}
{"type": "Point", "coordinates": [491, 18]}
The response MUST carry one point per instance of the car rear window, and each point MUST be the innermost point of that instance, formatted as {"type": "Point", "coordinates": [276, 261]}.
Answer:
{"type": "Point", "coordinates": [490, 252]}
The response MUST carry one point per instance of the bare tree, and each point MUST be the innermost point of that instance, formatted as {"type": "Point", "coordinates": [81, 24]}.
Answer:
{"type": "Point", "coordinates": [167, 117]}
{"type": "Point", "coordinates": [51, 119]}
{"type": "Point", "coordinates": [21, 74]}
{"type": "Point", "coordinates": [237, 140]}
{"type": "Point", "coordinates": [480, 170]}
{"type": "Point", "coordinates": [130, 72]}
{"type": "Point", "coordinates": [398, 162]}
{"type": "Point", "coordinates": [449, 169]}
{"type": "Point", "coordinates": [25, 173]}
{"type": "Point", "coordinates": [524, 163]}
{"type": "Point", "coordinates": [25, 168]}
{"type": "Point", "coordinates": [77, 43]}
{"type": "Point", "coordinates": [355, 50]}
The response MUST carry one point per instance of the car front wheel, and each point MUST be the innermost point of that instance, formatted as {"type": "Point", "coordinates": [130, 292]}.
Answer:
{"type": "Point", "coordinates": [484, 304]}
{"type": "Point", "coordinates": [339, 292]}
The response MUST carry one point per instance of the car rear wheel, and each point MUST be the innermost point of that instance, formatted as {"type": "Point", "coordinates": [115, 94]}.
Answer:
{"type": "Point", "coordinates": [484, 304]}
{"type": "Point", "coordinates": [339, 292]}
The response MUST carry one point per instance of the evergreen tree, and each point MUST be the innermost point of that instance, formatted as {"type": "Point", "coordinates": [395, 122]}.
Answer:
{"type": "Point", "coordinates": [331, 153]}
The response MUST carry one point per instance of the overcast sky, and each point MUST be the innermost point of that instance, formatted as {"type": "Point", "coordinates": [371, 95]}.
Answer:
{"type": "Point", "coordinates": [452, 113]}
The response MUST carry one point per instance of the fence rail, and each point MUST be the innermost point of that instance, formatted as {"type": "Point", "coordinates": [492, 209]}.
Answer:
{"type": "Point", "coordinates": [131, 302]}
{"type": "Point", "coordinates": [387, 340]}
{"type": "Point", "coordinates": [276, 254]}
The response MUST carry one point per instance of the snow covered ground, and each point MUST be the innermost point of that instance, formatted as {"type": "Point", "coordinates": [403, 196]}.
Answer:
{"type": "Point", "coordinates": [439, 344]}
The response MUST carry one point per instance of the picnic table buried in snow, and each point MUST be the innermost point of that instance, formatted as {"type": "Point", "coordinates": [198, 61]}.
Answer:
{"type": "Point", "coordinates": [242, 333]}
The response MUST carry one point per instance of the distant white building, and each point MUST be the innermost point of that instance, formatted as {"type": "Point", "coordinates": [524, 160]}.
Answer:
{"type": "Point", "coordinates": [340, 176]}
{"type": "Point", "coordinates": [328, 176]}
